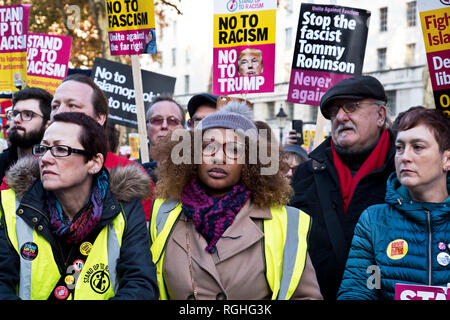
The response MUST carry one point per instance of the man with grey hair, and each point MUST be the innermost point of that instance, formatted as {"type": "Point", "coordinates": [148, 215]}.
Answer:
{"type": "Point", "coordinates": [346, 173]}
{"type": "Point", "coordinates": [163, 116]}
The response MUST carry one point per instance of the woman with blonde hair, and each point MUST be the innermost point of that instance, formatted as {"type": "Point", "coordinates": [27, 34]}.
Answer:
{"type": "Point", "coordinates": [221, 229]}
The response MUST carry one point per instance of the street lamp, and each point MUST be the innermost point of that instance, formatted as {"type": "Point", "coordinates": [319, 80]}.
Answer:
{"type": "Point", "coordinates": [281, 119]}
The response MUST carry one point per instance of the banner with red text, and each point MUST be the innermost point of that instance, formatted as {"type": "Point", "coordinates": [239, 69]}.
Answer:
{"type": "Point", "coordinates": [244, 46]}
{"type": "Point", "coordinates": [434, 17]}
{"type": "Point", "coordinates": [13, 46]}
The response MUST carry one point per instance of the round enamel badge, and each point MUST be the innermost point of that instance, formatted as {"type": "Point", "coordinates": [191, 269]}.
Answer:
{"type": "Point", "coordinates": [397, 249]}
{"type": "Point", "coordinates": [29, 251]}
{"type": "Point", "coordinates": [85, 248]}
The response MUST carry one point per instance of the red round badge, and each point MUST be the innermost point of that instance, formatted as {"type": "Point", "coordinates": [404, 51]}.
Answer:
{"type": "Point", "coordinates": [61, 293]}
{"type": "Point", "coordinates": [78, 264]}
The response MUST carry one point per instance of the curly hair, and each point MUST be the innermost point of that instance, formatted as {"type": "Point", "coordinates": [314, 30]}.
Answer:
{"type": "Point", "coordinates": [267, 189]}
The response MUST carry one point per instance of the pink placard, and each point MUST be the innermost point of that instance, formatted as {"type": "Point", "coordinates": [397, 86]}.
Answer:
{"type": "Point", "coordinates": [132, 42]}
{"type": "Point", "coordinates": [417, 292]}
{"type": "Point", "coordinates": [14, 27]}
{"type": "Point", "coordinates": [48, 55]}
{"type": "Point", "coordinates": [439, 67]}
{"type": "Point", "coordinates": [307, 87]}
{"type": "Point", "coordinates": [231, 77]}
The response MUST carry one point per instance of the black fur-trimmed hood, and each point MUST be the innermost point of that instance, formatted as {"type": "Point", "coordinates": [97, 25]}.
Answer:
{"type": "Point", "coordinates": [125, 183]}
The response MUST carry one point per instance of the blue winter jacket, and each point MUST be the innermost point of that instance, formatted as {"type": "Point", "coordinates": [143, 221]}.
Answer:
{"type": "Point", "coordinates": [377, 243]}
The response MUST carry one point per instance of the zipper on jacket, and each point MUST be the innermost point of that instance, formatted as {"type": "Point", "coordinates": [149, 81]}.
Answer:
{"type": "Point", "coordinates": [429, 246]}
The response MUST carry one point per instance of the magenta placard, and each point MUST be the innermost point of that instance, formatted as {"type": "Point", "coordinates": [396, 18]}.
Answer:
{"type": "Point", "coordinates": [48, 55]}
{"type": "Point", "coordinates": [439, 67]}
{"type": "Point", "coordinates": [307, 87]}
{"type": "Point", "coordinates": [132, 42]}
{"type": "Point", "coordinates": [14, 27]}
{"type": "Point", "coordinates": [235, 72]}
{"type": "Point", "coordinates": [417, 292]}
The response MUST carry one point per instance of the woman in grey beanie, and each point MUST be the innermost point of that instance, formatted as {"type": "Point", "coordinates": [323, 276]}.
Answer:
{"type": "Point", "coordinates": [221, 229]}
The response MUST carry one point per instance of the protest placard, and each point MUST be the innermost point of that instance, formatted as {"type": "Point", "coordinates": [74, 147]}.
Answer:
{"type": "Point", "coordinates": [131, 31]}
{"type": "Point", "coordinates": [418, 292]}
{"type": "Point", "coordinates": [116, 81]}
{"type": "Point", "coordinates": [131, 26]}
{"type": "Point", "coordinates": [48, 59]}
{"type": "Point", "coordinates": [13, 47]}
{"type": "Point", "coordinates": [434, 17]}
{"type": "Point", "coordinates": [244, 46]}
{"type": "Point", "coordinates": [329, 47]}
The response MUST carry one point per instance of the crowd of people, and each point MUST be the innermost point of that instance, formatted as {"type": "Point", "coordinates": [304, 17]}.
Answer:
{"type": "Point", "coordinates": [223, 210]}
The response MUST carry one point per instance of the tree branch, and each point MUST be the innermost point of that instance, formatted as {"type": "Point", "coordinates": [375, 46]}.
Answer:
{"type": "Point", "coordinates": [170, 4]}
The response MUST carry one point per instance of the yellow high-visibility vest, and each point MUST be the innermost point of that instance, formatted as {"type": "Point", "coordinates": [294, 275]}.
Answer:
{"type": "Point", "coordinates": [40, 274]}
{"type": "Point", "coordinates": [285, 236]}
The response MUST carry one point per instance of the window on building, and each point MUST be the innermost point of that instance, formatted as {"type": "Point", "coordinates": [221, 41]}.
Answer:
{"type": "Point", "coordinates": [289, 6]}
{"type": "Point", "coordinates": [411, 14]}
{"type": "Point", "coordinates": [186, 83]}
{"type": "Point", "coordinates": [188, 55]}
{"type": "Point", "coordinates": [381, 58]}
{"type": "Point", "coordinates": [392, 105]}
{"type": "Point", "coordinates": [174, 57]}
{"type": "Point", "coordinates": [270, 110]}
{"type": "Point", "coordinates": [313, 113]}
{"type": "Point", "coordinates": [383, 18]}
{"type": "Point", "coordinates": [174, 29]}
{"type": "Point", "coordinates": [290, 107]}
{"type": "Point", "coordinates": [288, 38]}
{"type": "Point", "coordinates": [410, 54]}
{"type": "Point", "coordinates": [160, 58]}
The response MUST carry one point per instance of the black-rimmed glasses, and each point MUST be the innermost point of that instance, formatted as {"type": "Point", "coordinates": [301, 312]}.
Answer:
{"type": "Point", "coordinates": [25, 115]}
{"type": "Point", "coordinates": [57, 151]}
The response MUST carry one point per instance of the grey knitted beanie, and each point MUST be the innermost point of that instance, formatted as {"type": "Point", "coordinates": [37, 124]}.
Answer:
{"type": "Point", "coordinates": [228, 120]}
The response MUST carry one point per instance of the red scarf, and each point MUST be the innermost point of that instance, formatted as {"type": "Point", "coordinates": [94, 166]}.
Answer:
{"type": "Point", "coordinates": [373, 162]}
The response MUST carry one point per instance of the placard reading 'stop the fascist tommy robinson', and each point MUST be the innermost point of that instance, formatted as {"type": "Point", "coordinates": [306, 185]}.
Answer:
{"type": "Point", "coordinates": [329, 47]}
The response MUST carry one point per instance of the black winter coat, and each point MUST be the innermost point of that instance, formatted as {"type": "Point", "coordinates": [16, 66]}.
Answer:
{"type": "Point", "coordinates": [317, 189]}
{"type": "Point", "coordinates": [7, 158]}
{"type": "Point", "coordinates": [137, 272]}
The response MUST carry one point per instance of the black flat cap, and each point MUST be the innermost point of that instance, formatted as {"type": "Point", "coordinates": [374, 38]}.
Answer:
{"type": "Point", "coordinates": [357, 88]}
{"type": "Point", "coordinates": [200, 99]}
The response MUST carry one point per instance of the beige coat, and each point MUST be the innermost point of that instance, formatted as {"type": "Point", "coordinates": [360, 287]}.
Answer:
{"type": "Point", "coordinates": [236, 271]}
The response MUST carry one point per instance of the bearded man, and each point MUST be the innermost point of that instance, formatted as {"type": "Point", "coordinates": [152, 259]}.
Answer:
{"type": "Point", "coordinates": [28, 118]}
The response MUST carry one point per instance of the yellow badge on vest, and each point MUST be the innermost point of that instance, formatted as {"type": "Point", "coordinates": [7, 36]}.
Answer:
{"type": "Point", "coordinates": [397, 249]}
{"type": "Point", "coordinates": [85, 248]}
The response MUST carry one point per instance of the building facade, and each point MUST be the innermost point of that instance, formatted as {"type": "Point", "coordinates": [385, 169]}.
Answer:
{"type": "Point", "coordinates": [395, 54]}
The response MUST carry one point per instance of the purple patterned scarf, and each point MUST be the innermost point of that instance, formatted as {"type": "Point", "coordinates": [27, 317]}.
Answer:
{"type": "Point", "coordinates": [212, 215]}
{"type": "Point", "coordinates": [85, 220]}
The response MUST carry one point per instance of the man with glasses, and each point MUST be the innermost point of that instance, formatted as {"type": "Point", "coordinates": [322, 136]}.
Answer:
{"type": "Point", "coordinates": [163, 116]}
{"type": "Point", "coordinates": [28, 118]}
{"type": "Point", "coordinates": [346, 173]}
